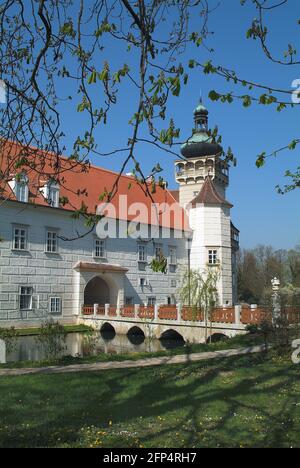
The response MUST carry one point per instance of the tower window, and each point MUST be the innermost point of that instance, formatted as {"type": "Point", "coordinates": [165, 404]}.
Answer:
{"type": "Point", "coordinates": [213, 257]}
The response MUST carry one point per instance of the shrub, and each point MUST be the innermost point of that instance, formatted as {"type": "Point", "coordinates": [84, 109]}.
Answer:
{"type": "Point", "coordinates": [9, 336]}
{"type": "Point", "coordinates": [52, 339]}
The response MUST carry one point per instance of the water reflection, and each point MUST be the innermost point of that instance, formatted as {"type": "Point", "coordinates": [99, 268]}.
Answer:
{"type": "Point", "coordinates": [86, 344]}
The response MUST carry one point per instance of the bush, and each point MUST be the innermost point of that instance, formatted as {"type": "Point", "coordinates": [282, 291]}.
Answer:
{"type": "Point", "coordinates": [52, 339]}
{"type": "Point", "coordinates": [9, 336]}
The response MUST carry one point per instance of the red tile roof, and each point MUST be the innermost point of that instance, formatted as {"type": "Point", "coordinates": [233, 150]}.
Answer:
{"type": "Point", "coordinates": [84, 184]}
{"type": "Point", "coordinates": [209, 195]}
{"type": "Point", "coordinates": [175, 194]}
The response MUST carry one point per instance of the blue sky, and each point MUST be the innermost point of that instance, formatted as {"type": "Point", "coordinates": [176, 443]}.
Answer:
{"type": "Point", "coordinates": [263, 216]}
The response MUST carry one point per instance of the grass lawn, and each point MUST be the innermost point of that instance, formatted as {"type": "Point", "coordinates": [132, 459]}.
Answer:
{"type": "Point", "coordinates": [249, 401]}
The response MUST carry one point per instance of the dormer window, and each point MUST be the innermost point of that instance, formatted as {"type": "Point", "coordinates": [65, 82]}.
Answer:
{"type": "Point", "coordinates": [51, 192]}
{"type": "Point", "coordinates": [21, 188]}
{"type": "Point", "coordinates": [53, 195]}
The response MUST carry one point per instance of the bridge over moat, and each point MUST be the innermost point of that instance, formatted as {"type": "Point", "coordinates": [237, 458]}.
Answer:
{"type": "Point", "coordinates": [163, 321]}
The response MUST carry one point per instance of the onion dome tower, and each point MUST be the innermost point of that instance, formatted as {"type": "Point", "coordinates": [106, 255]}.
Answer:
{"type": "Point", "coordinates": [202, 158]}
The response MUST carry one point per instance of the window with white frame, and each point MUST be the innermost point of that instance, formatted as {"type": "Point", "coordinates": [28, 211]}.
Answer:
{"type": "Point", "coordinates": [151, 301]}
{"type": "Point", "coordinates": [21, 189]}
{"type": "Point", "coordinates": [53, 196]}
{"type": "Point", "coordinates": [26, 298]}
{"type": "Point", "coordinates": [51, 242]}
{"type": "Point", "coordinates": [55, 305]}
{"type": "Point", "coordinates": [142, 282]}
{"type": "Point", "coordinates": [20, 238]}
{"type": "Point", "coordinates": [158, 251]}
{"type": "Point", "coordinates": [173, 283]}
{"type": "Point", "coordinates": [142, 256]}
{"type": "Point", "coordinates": [173, 255]}
{"type": "Point", "coordinates": [213, 257]}
{"type": "Point", "coordinates": [99, 248]}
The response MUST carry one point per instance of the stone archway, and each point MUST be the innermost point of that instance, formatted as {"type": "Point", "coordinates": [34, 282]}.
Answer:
{"type": "Point", "coordinates": [97, 292]}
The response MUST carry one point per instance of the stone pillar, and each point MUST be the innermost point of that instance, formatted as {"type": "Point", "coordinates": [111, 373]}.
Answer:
{"type": "Point", "coordinates": [156, 309]}
{"type": "Point", "coordinates": [179, 308]}
{"type": "Point", "coordinates": [95, 310]}
{"type": "Point", "coordinates": [2, 352]}
{"type": "Point", "coordinates": [136, 310]}
{"type": "Point", "coordinates": [276, 300]}
{"type": "Point", "coordinates": [107, 306]}
{"type": "Point", "coordinates": [237, 311]}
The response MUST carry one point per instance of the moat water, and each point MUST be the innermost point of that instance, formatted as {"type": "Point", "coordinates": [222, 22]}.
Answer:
{"type": "Point", "coordinates": [87, 344]}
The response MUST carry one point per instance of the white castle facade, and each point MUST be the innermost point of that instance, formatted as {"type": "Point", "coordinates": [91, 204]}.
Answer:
{"type": "Point", "coordinates": [50, 265]}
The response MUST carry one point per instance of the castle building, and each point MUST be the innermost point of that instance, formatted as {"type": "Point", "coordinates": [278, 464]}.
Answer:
{"type": "Point", "coordinates": [51, 263]}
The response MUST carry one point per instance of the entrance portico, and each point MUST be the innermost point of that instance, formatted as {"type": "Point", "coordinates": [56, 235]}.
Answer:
{"type": "Point", "coordinates": [99, 283]}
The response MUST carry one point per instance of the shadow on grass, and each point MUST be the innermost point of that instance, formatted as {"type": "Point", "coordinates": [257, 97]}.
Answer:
{"type": "Point", "coordinates": [232, 402]}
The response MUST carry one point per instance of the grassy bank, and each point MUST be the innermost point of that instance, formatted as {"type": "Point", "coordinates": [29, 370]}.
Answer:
{"type": "Point", "coordinates": [249, 401]}
{"type": "Point", "coordinates": [68, 328]}
{"type": "Point", "coordinates": [239, 341]}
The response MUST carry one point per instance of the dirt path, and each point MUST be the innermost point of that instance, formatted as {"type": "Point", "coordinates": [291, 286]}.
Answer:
{"type": "Point", "coordinates": [159, 361]}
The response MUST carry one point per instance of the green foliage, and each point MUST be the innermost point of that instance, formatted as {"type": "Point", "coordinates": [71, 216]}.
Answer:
{"type": "Point", "coordinates": [199, 290]}
{"type": "Point", "coordinates": [52, 339]}
{"type": "Point", "coordinates": [257, 267]}
{"type": "Point", "coordinates": [159, 264]}
{"type": "Point", "coordinates": [9, 336]}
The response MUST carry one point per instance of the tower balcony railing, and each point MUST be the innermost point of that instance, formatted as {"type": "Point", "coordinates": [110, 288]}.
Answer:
{"type": "Point", "coordinates": [196, 173]}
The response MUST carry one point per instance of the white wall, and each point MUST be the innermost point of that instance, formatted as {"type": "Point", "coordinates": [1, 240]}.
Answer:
{"type": "Point", "coordinates": [53, 274]}
{"type": "Point", "coordinates": [211, 227]}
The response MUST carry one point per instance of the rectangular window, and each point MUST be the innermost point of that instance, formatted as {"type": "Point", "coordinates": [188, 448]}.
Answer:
{"type": "Point", "coordinates": [99, 251]}
{"type": "Point", "coordinates": [52, 242]}
{"type": "Point", "coordinates": [55, 305]}
{"type": "Point", "coordinates": [25, 298]}
{"type": "Point", "coordinates": [158, 251]}
{"type": "Point", "coordinates": [142, 253]}
{"type": "Point", "coordinates": [213, 257]}
{"type": "Point", "coordinates": [151, 301]}
{"type": "Point", "coordinates": [173, 255]}
{"type": "Point", "coordinates": [129, 301]}
{"type": "Point", "coordinates": [173, 283]}
{"type": "Point", "coordinates": [53, 197]}
{"type": "Point", "coordinates": [22, 192]}
{"type": "Point", "coordinates": [142, 282]}
{"type": "Point", "coordinates": [20, 239]}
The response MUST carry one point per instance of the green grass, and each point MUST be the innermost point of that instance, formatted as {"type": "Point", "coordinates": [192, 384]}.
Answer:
{"type": "Point", "coordinates": [239, 341]}
{"type": "Point", "coordinates": [248, 401]}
